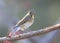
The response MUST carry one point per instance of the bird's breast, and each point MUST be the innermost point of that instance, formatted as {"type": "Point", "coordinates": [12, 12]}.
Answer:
{"type": "Point", "coordinates": [26, 25]}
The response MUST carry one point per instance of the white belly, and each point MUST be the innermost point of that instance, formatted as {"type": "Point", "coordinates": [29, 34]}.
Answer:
{"type": "Point", "coordinates": [28, 24]}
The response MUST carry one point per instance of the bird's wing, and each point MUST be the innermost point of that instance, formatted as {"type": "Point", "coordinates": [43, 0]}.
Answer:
{"type": "Point", "coordinates": [26, 18]}
{"type": "Point", "coordinates": [24, 23]}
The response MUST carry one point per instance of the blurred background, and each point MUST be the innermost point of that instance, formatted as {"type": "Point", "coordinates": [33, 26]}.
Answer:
{"type": "Point", "coordinates": [47, 14]}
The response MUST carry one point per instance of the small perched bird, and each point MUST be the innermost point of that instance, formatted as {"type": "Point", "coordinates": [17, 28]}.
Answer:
{"type": "Point", "coordinates": [23, 24]}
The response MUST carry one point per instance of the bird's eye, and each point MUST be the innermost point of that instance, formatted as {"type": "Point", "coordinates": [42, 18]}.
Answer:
{"type": "Point", "coordinates": [30, 12]}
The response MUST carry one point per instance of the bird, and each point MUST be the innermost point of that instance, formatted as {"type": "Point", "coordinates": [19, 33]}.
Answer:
{"type": "Point", "coordinates": [22, 24]}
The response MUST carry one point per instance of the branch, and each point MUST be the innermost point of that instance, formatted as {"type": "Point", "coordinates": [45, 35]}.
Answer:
{"type": "Point", "coordinates": [32, 33]}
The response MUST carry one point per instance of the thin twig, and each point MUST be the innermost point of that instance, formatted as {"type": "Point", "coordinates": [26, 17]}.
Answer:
{"type": "Point", "coordinates": [31, 34]}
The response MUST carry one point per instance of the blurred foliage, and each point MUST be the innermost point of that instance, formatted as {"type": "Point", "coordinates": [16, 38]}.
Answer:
{"type": "Point", "coordinates": [47, 12]}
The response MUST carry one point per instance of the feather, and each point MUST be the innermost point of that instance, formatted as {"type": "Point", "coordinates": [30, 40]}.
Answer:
{"type": "Point", "coordinates": [23, 24]}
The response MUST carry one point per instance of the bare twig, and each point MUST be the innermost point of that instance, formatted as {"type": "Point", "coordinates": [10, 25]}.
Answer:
{"type": "Point", "coordinates": [31, 34]}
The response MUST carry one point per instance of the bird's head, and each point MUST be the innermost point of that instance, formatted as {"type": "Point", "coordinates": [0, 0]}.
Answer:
{"type": "Point", "coordinates": [31, 14]}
